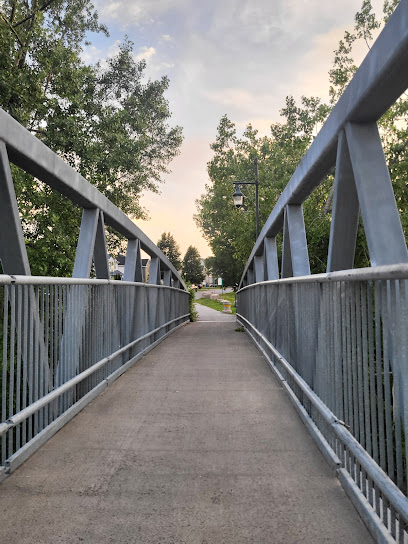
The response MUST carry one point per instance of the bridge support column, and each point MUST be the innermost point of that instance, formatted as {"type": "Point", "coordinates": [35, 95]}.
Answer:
{"type": "Point", "coordinates": [154, 272]}
{"type": "Point", "coordinates": [271, 259]}
{"type": "Point", "coordinates": [343, 229]}
{"type": "Point", "coordinates": [295, 258]}
{"type": "Point", "coordinates": [259, 269]}
{"type": "Point", "coordinates": [13, 253]}
{"type": "Point", "coordinates": [91, 242]}
{"type": "Point", "coordinates": [133, 263]}
{"type": "Point", "coordinates": [385, 237]}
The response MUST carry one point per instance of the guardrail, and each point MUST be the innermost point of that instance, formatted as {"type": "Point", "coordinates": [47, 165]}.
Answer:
{"type": "Point", "coordinates": [338, 344]}
{"type": "Point", "coordinates": [64, 341]}
{"type": "Point", "coordinates": [338, 341]}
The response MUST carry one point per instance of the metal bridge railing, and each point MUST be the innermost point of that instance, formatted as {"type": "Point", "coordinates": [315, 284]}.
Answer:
{"type": "Point", "coordinates": [63, 341]}
{"type": "Point", "coordinates": [338, 341]}
{"type": "Point", "coordinates": [338, 344]}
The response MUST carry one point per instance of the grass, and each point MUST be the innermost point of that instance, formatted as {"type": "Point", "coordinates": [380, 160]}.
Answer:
{"type": "Point", "coordinates": [215, 305]}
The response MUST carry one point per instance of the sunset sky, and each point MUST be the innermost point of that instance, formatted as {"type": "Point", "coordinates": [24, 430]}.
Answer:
{"type": "Point", "coordinates": [234, 57]}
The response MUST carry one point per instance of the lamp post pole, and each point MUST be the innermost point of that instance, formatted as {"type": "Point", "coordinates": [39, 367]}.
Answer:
{"type": "Point", "coordinates": [239, 197]}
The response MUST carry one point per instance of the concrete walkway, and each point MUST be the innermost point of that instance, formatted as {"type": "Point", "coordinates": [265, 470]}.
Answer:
{"type": "Point", "coordinates": [210, 315]}
{"type": "Point", "coordinates": [196, 444]}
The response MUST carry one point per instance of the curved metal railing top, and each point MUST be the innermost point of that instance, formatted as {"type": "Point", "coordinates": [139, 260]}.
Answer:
{"type": "Point", "coordinates": [27, 152]}
{"type": "Point", "coordinates": [362, 180]}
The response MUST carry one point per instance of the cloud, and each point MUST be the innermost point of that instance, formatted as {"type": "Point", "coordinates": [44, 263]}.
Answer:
{"type": "Point", "coordinates": [128, 12]}
{"type": "Point", "coordinates": [145, 53]}
{"type": "Point", "coordinates": [234, 57]}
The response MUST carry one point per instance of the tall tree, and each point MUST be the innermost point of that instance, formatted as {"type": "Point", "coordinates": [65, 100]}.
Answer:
{"type": "Point", "coordinates": [192, 267]}
{"type": "Point", "coordinates": [106, 120]}
{"type": "Point", "coordinates": [168, 245]}
{"type": "Point", "coordinates": [230, 232]}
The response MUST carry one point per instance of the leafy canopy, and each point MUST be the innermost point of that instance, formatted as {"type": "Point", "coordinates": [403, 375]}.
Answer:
{"type": "Point", "coordinates": [106, 120]}
{"type": "Point", "coordinates": [192, 267]}
{"type": "Point", "coordinates": [168, 245]}
{"type": "Point", "coordinates": [230, 232]}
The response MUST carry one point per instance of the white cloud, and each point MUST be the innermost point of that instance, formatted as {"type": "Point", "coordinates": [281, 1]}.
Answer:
{"type": "Point", "coordinates": [145, 53]}
{"type": "Point", "coordinates": [129, 12]}
{"type": "Point", "coordinates": [234, 57]}
{"type": "Point", "coordinates": [91, 54]}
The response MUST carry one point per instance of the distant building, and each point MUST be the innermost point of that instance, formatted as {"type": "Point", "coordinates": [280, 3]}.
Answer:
{"type": "Point", "coordinates": [209, 278]}
{"type": "Point", "coordinates": [117, 267]}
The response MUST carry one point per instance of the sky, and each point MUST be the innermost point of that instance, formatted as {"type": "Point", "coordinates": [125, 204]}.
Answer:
{"type": "Point", "coordinates": [234, 57]}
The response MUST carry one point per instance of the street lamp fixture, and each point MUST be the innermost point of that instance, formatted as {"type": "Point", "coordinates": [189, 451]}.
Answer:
{"type": "Point", "coordinates": [239, 197]}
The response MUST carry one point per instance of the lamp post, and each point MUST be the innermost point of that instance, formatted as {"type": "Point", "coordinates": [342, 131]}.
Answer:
{"type": "Point", "coordinates": [239, 197]}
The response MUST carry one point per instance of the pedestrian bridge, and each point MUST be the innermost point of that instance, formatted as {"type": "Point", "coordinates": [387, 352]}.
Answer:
{"type": "Point", "coordinates": [196, 440]}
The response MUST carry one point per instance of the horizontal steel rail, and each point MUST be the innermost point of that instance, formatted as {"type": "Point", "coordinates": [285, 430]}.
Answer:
{"type": "Point", "coordinates": [8, 279]}
{"type": "Point", "coordinates": [377, 84]}
{"type": "Point", "coordinates": [388, 272]}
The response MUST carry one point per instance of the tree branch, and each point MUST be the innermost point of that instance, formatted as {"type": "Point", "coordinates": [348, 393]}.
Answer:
{"type": "Point", "coordinates": [41, 8]}
{"type": "Point", "coordinates": [11, 28]}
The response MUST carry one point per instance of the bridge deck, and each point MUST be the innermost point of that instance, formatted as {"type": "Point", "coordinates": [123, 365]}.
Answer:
{"type": "Point", "coordinates": [196, 444]}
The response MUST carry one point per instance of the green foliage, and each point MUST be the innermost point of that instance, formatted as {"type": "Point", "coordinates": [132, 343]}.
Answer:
{"type": "Point", "coordinates": [106, 121]}
{"type": "Point", "coordinates": [191, 305]}
{"type": "Point", "coordinates": [192, 268]}
{"type": "Point", "coordinates": [168, 245]}
{"type": "Point", "coordinates": [231, 232]}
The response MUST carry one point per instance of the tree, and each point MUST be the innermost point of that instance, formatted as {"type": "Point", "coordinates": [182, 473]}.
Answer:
{"type": "Point", "coordinates": [168, 245]}
{"type": "Point", "coordinates": [230, 232]}
{"type": "Point", "coordinates": [105, 120]}
{"type": "Point", "coordinates": [192, 267]}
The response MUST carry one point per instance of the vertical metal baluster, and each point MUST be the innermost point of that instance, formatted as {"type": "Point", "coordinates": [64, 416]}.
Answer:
{"type": "Point", "coordinates": [377, 501]}
{"type": "Point", "coordinates": [18, 362]}
{"type": "Point", "coordinates": [73, 355]}
{"type": "Point", "coordinates": [338, 375]}
{"type": "Point", "coordinates": [387, 383]}
{"type": "Point", "coordinates": [359, 356]}
{"type": "Point", "coordinates": [4, 455]}
{"type": "Point", "coordinates": [25, 358]}
{"type": "Point", "coordinates": [366, 387]}
{"type": "Point", "coordinates": [12, 364]}
{"type": "Point", "coordinates": [398, 361]}
{"type": "Point", "coordinates": [349, 360]}
{"type": "Point", "coordinates": [393, 526]}
{"type": "Point", "coordinates": [31, 359]}
{"type": "Point", "coordinates": [36, 344]}
{"type": "Point", "coordinates": [41, 363]}
{"type": "Point", "coordinates": [56, 345]}
{"type": "Point", "coordinates": [46, 301]}
{"type": "Point", "coordinates": [354, 362]}
{"type": "Point", "coordinates": [372, 369]}
{"type": "Point", "coordinates": [344, 348]}
{"type": "Point", "coordinates": [61, 348]}
{"type": "Point", "coordinates": [380, 396]}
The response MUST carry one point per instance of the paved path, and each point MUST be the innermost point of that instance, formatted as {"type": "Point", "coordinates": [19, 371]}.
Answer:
{"type": "Point", "coordinates": [210, 315]}
{"type": "Point", "coordinates": [197, 444]}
